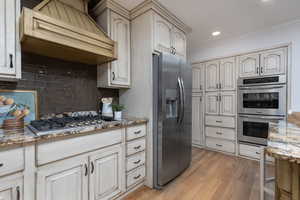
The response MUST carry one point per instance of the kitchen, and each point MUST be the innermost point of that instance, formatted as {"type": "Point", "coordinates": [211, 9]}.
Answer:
{"type": "Point", "coordinates": [99, 101]}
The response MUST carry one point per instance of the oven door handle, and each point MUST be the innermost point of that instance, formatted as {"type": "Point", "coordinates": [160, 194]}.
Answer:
{"type": "Point", "coordinates": [262, 117]}
{"type": "Point", "coordinates": [261, 87]}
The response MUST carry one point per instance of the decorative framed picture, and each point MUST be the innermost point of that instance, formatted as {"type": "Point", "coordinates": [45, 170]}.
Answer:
{"type": "Point", "coordinates": [18, 103]}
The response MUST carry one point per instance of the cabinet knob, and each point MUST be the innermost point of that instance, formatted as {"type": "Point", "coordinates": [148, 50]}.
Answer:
{"type": "Point", "coordinates": [11, 65]}
{"type": "Point", "coordinates": [137, 162]}
{"type": "Point", "coordinates": [114, 76]}
{"type": "Point", "coordinates": [138, 147]}
{"type": "Point", "coordinates": [136, 177]}
{"type": "Point", "coordinates": [137, 132]}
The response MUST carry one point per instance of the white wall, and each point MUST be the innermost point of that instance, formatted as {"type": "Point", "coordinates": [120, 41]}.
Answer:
{"type": "Point", "coordinates": [285, 33]}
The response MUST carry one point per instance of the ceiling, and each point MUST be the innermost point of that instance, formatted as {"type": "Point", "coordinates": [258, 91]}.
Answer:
{"type": "Point", "coordinates": [231, 17]}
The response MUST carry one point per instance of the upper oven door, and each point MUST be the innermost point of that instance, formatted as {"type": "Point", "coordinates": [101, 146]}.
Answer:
{"type": "Point", "coordinates": [263, 100]}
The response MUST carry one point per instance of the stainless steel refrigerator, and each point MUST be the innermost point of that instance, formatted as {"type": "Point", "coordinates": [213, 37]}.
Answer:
{"type": "Point", "coordinates": [172, 117]}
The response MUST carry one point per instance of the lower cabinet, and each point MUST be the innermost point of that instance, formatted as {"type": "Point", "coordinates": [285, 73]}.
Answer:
{"type": "Point", "coordinates": [11, 188]}
{"type": "Point", "coordinates": [97, 174]}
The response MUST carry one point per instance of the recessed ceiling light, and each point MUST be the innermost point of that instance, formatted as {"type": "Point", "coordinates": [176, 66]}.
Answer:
{"type": "Point", "coordinates": [216, 33]}
{"type": "Point", "coordinates": [265, 1]}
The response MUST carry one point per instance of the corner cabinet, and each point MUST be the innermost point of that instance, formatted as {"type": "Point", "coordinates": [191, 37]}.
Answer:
{"type": "Point", "coordinates": [10, 51]}
{"type": "Point", "coordinates": [117, 73]}
{"type": "Point", "coordinates": [168, 38]}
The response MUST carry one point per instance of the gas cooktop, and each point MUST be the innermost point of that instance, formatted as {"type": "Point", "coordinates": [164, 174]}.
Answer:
{"type": "Point", "coordinates": [74, 122]}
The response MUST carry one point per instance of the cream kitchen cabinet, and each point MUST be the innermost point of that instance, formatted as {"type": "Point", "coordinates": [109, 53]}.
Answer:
{"type": "Point", "coordinates": [227, 74]}
{"type": "Point", "coordinates": [212, 75]}
{"type": "Point", "coordinates": [220, 75]}
{"type": "Point", "coordinates": [11, 188]}
{"type": "Point", "coordinates": [67, 179]}
{"type": "Point", "coordinates": [98, 175]}
{"type": "Point", "coordinates": [249, 65]}
{"type": "Point", "coordinates": [220, 103]}
{"type": "Point", "coordinates": [168, 38]}
{"type": "Point", "coordinates": [212, 105]}
{"type": "Point", "coordinates": [10, 51]}
{"type": "Point", "coordinates": [264, 63]}
{"type": "Point", "coordinates": [105, 173]}
{"type": "Point", "coordinates": [198, 77]}
{"type": "Point", "coordinates": [273, 62]}
{"type": "Point", "coordinates": [116, 74]}
{"type": "Point", "coordinates": [197, 119]}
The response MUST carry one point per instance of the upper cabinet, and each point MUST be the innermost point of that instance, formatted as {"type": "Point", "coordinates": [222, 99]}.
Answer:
{"type": "Point", "coordinates": [220, 75]}
{"type": "Point", "coordinates": [227, 74]}
{"type": "Point", "coordinates": [10, 51]}
{"type": "Point", "coordinates": [270, 62]}
{"type": "Point", "coordinates": [168, 38]}
{"type": "Point", "coordinates": [116, 74]}
{"type": "Point", "coordinates": [273, 61]}
{"type": "Point", "coordinates": [198, 77]}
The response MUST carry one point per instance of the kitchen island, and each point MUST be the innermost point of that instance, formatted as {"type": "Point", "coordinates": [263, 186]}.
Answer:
{"type": "Point", "coordinates": [284, 146]}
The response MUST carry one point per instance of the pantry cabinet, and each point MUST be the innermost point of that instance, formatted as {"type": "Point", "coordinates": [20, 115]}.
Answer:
{"type": "Point", "coordinates": [197, 119]}
{"type": "Point", "coordinates": [105, 173]}
{"type": "Point", "coordinates": [10, 51]}
{"type": "Point", "coordinates": [227, 74]}
{"type": "Point", "coordinates": [212, 75]}
{"type": "Point", "coordinates": [11, 188]}
{"type": "Point", "coordinates": [116, 74]}
{"type": "Point", "coordinates": [67, 179]}
{"type": "Point", "coordinates": [168, 38]}
{"type": "Point", "coordinates": [198, 77]}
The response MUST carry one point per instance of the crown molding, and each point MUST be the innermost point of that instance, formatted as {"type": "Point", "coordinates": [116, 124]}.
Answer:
{"type": "Point", "coordinates": [161, 10]}
{"type": "Point", "coordinates": [112, 5]}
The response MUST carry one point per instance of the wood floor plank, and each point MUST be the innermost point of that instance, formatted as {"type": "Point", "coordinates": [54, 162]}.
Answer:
{"type": "Point", "coordinates": [211, 176]}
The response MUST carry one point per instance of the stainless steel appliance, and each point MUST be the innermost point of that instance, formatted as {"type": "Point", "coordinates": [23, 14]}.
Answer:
{"type": "Point", "coordinates": [261, 100]}
{"type": "Point", "coordinates": [172, 117]}
{"type": "Point", "coordinates": [263, 95]}
{"type": "Point", "coordinates": [255, 128]}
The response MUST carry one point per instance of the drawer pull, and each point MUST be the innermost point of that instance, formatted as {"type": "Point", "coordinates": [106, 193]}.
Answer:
{"type": "Point", "coordinates": [219, 145]}
{"type": "Point", "coordinates": [1, 164]}
{"type": "Point", "coordinates": [219, 133]}
{"type": "Point", "coordinates": [136, 177]}
{"type": "Point", "coordinates": [137, 162]}
{"type": "Point", "coordinates": [219, 121]}
{"type": "Point", "coordinates": [257, 153]}
{"type": "Point", "coordinates": [137, 132]}
{"type": "Point", "coordinates": [137, 147]}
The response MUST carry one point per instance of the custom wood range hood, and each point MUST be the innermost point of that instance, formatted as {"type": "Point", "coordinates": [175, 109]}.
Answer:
{"type": "Point", "coordinates": [63, 29]}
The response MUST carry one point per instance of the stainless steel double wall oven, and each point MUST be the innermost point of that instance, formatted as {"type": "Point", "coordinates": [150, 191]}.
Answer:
{"type": "Point", "coordinates": [261, 100]}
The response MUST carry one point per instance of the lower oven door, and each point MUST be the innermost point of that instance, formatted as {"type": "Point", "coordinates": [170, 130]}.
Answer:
{"type": "Point", "coordinates": [255, 129]}
{"type": "Point", "coordinates": [263, 100]}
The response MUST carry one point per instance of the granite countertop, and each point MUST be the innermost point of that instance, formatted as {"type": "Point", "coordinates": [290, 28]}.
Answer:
{"type": "Point", "coordinates": [284, 139]}
{"type": "Point", "coordinates": [27, 137]}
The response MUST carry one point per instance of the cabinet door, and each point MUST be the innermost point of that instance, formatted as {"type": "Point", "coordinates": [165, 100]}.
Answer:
{"type": "Point", "coordinates": [120, 32]}
{"type": "Point", "coordinates": [198, 77]}
{"type": "Point", "coordinates": [67, 179]}
{"type": "Point", "coordinates": [273, 61]}
{"type": "Point", "coordinates": [106, 173]}
{"type": "Point", "coordinates": [197, 120]}
{"type": "Point", "coordinates": [249, 65]}
{"type": "Point", "coordinates": [227, 74]}
{"type": "Point", "coordinates": [8, 37]}
{"type": "Point", "coordinates": [212, 103]}
{"type": "Point", "coordinates": [227, 103]}
{"type": "Point", "coordinates": [212, 75]}
{"type": "Point", "coordinates": [11, 188]}
{"type": "Point", "coordinates": [179, 42]}
{"type": "Point", "coordinates": [162, 34]}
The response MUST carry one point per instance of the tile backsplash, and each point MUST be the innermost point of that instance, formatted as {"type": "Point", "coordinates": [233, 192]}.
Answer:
{"type": "Point", "coordinates": [62, 86]}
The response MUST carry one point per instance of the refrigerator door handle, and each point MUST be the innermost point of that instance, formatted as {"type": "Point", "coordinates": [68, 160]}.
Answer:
{"type": "Point", "coordinates": [183, 99]}
{"type": "Point", "coordinates": [180, 100]}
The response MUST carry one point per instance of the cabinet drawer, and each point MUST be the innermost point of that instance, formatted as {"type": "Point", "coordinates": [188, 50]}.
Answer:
{"type": "Point", "coordinates": [136, 146]}
{"type": "Point", "coordinates": [11, 161]}
{"type": "Point", "coordinates": [136, 176]}
{"type": "Point", "coordinates": [222, 133]}
{"type": "Point", "coordinates": [221, 145]}
{"type": "Point", "coordinates": [49, 152]}
{"type": "Point", "coordinates": [249, 151]}
{"type": "Point", "coordinates": [135, 132]}
{"type": "Point", "coordinates": [135, 161]}
{"type": "Point", "coordinates": [226, 122]}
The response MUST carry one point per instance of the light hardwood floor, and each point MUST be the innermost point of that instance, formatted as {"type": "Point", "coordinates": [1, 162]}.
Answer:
{"type": "Point", "coordinates": [211, 176]}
